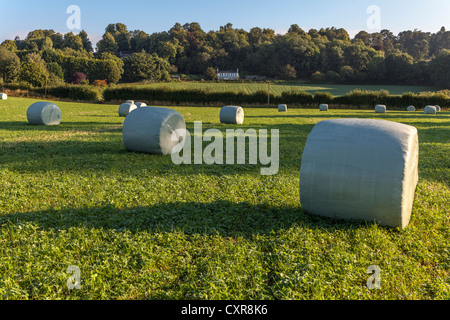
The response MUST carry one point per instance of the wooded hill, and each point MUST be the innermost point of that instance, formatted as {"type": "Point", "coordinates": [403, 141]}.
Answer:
{"type": "Point", "coordinates": [325, 55]}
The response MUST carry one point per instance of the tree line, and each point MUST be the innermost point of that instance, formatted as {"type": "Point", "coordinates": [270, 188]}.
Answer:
{"type": "Point", "coordinates": [325, 55]}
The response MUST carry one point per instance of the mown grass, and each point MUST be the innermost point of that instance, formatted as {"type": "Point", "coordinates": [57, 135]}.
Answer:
{"type": "Point", "coordinates": [140, 227]}
{"type": "Point", "coordinates": [278, 88]}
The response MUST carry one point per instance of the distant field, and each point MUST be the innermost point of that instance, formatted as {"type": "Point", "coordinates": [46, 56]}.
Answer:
{"type": "Point", "coordinates": [277, 89]}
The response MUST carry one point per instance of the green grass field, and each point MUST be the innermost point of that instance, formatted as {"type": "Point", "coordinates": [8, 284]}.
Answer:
{"type": "Point", "coordinates": [140, 227]}
{"type": "Point", "coordinates": [277, 88]}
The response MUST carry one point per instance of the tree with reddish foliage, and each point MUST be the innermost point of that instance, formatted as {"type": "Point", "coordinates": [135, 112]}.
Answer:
{"type": "Point", "coordinates": [78, 77]}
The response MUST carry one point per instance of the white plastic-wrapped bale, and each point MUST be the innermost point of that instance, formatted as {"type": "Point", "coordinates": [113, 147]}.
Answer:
{"type": "Point", "coordinates": [411, 108]}
{"type": "Point", "coordinates": [323, 107]}
{"type": "Point", "coordinates": [129, 101]}
{"type": "Point", "coordinates": [438, 108]}
{"type": "Point", "coordinates": [151, 130]}
{"type": "Point", "coordinates": [232, 115]}
{"type": "Point", "coordinates": [126, 108]}
{"type": "Point", "coordinates": [282, 108]}
{"type": "Point", "coordinates": [3, 96]}
{"type": "Point", "coordinates": [360, 169]}
{"type": "Point", "coordinates": [44, 113]}
{"type": "Point", "coordinates": [140, 104]}
{"type": "Point", "coordinates": [380, 108]}
{"type": "Point", "coordinates": [430, 110]}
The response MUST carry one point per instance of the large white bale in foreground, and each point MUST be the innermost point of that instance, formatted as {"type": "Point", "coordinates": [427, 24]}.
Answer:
{"type": "Point", "coordinates": [44, 113]}
{"type": "Point", "coordinates": [323, 107]}
{"type": "Point", "coordinates": [430, 110]}
{"type": "Point", "coordinates": [126, 108]}
{"type": "Point", "coordinates": [232, 115]}
{"type": "Point", "coordinates": [282, 108]}
{"type": "Point", "coordinates": [360, 169]}
{"type": "Point", "coordinates": [380, 108]}
{"type": "Point", "coordinates": [411, 108]}
{"type": "Point", "coordinates": [3, 96]}
{"type": "Point", "coordinates": [150, 130]}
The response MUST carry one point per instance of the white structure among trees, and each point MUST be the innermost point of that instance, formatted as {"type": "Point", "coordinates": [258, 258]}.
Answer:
{"type": "Point", "coordinates": [228, 75]}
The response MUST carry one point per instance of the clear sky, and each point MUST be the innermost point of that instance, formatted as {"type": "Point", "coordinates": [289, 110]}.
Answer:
{"type": "Point", "coordinates": [18, 17]}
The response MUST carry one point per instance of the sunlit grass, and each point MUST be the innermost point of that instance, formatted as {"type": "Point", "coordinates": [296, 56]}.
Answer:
{"type": "Point", "coordinates": [278, 88]}
{"type": "Point", "coordinates": [140, 227]}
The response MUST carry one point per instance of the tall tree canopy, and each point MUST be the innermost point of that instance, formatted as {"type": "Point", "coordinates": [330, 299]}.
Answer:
{"type": "Point", "coordinates": [412, 56]}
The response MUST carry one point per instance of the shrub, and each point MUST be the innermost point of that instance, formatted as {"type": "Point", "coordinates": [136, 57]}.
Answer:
{"type": "Point", "coordinates": [318, 76]}
{"type": "Point", "coordinates": [78, 92]}
{"type": "Point", "coordinates": [110, 69]}
{"type": "Point", "coordinates": [358, 98]}
{"type": "Point", "coordinates": [323, 97]}
{"type": "Point", "coordinates": [78, 77]}
{"type": "Point", "coordinates": [295, 97]}
{"type": "Point", "coordinates": [17, 85]}
{"type": "Point", "coordinates": [145, 66]}
{"type": "Point", "coordinates": [33, 73]}
{"type": "Point", "coordinates": [9, 65]}
{"type": "Point", "coordinates": [99, 83]}
{"type": "Point", "coordinates": [211, 74]}
{"type": "Point", "coordinates": [346, 73]}
{"type": "Point", "coordinates": [332, 76]}
{"type": "Point", "coordinates": [54, 81]}
{"type": "Point", "coordinates": [55, 69]}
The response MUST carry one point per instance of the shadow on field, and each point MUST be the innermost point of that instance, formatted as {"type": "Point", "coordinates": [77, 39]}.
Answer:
{"type": "Point", "coordinates": [83, 148]}
{"type": "Point", "coordinates": [64, 126]}
{"type": "Point", "coordinates": [221, 217]}
{"type": "Point", "coordinates": [75, 150]}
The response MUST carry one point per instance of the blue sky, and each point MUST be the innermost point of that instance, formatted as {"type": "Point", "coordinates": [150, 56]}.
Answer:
{"type": "Point", "coordinates": [19, 17]}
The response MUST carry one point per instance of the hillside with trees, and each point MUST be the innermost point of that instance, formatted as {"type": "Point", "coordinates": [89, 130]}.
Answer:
{"type": "Point", "coordinates": [326, 55]}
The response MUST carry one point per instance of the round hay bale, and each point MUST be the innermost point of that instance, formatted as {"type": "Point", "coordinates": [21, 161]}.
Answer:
{"type": "Point", "coordinates": [282, 108]}
{"type": "Point", "coordinates": [360, 169]}
{"type": "Point", "coordinates": [430, 110]}
{"type": "Point", "coordinates": [411, 108]}
{"type": "Point", "coordinates": [44, 113]}
{"type": "Point", "coordinates": [140, 104]}
{"type": "Point", "coordinates": [438, 109]}
{"type": "Point", "coordinates": [126, 108]}
{"type": "Point", "coordinates": [380, 108]}
{"type": "Point", "coordinates": [323, 107]}
{"type": "Point", "coordinates": [150, 130]}
{"type": "Point", "coordinates": [3, 96]}
{"type": "Point", "coordinates": [232, 115]}
{"type": "Point", "coordinates": [129, 101]}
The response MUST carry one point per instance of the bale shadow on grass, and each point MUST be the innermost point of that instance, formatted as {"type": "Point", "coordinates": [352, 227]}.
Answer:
{"type": "Point", "coordinates": [64, 126]}
{"type": "Point", "coordinates": [81, 153]}
{"type": "Point", "coordinates": [221, 217]}
{"type": "Point", "coordinates": [43, 150]}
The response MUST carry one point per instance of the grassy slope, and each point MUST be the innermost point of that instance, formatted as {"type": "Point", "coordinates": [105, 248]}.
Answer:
{"type": "Point", "coordinates": [277, 89]}
{"type": "Point", "coordinates": [140, 227]}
